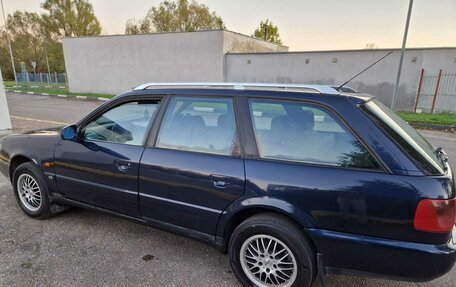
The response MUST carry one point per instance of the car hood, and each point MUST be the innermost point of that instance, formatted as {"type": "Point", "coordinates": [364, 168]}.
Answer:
{"type": "Point", "coordinates": [47, 131]}
{"type": "Point", "coordinates": [35, 137]}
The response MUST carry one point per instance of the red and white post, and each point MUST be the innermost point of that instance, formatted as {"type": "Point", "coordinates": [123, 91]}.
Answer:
{"type": "Point", "coordinates": [436, 91]}
{"type": "Point", "coordinates": [419, 90]}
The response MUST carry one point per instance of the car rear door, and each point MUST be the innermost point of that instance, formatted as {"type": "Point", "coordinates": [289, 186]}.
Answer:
{"type": "Point", "coordinates": [101, 166]}
{"type": "Point", "coordinates": [192, 168]}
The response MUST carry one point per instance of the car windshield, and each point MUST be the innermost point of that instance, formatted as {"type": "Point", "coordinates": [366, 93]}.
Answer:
{"type": "Point", "coordinates": [409, 139]}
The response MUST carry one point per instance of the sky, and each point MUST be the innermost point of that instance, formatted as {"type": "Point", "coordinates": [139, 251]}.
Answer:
{"type": "Point", "coordinates": [305, 25]}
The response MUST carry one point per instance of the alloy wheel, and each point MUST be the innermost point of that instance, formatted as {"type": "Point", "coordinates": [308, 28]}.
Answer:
{"type": "Point", "coordinates": [29, 192]}
{"type": "Point", "coordinates": [268, 262]}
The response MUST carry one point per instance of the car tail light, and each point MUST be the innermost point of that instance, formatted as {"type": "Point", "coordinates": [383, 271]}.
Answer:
{"type": "Point", "coordinates": [435, 215]}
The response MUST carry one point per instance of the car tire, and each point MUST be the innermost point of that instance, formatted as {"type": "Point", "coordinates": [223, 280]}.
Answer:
{"type": "Point", "coordinates": [31, 191]}
{"type": "Point", "coordinates": [260, 241]}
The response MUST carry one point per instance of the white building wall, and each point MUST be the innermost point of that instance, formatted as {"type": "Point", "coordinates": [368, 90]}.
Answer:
{"type": "Point", "coordinates": [113, 64]}
{"type": "Point", "coordinates": [335, 67]}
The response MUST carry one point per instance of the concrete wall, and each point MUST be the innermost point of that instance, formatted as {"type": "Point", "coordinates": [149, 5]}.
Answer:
{"type": "Point", "coordinates": [335, 67]}
{"type": "Point", "coordinates": [113, 64]}
{"type": "Point", "coordinates": [5, 121]}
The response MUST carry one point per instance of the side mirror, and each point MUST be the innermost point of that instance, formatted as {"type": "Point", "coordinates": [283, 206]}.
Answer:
{"type": "Point", "coordinates": [69, 132]}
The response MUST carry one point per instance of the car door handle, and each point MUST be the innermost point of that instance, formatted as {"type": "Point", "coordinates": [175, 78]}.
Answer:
{"type": "Point", "coordinates": [122, 165]}
{"type": "Point", "coordinates": [220, 181]}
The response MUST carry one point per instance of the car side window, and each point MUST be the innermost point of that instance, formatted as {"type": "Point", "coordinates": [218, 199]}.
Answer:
{"type": "Point", "coordinates": [126, 124]}
{"type": "Point", "coordinates": [306, 133]}
{"type": "Point", "coordinates": [200, 125]}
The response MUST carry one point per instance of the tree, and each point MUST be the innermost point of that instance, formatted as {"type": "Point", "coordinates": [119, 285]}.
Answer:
{"type": "Point", "coordinates": [172, 16]}
{"type": "Point", "coordinates": [134, 27]}
{"type": "Point", "coordinates": [70, 18]}
{"type": "Point", "coordinates": [37, 37]}
{"type": "Point", "coordinates": [268, 32]}
{"type": "Point", "coordinates": [27, 37]}
{"type": "Point", "coordinates": [5, 62]}
{"type": "Point", "coordinates": [29, 43]}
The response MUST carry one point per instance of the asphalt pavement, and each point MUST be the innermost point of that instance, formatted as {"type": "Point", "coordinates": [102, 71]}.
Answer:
{"type": "Point", "coordinates": [86, 248]}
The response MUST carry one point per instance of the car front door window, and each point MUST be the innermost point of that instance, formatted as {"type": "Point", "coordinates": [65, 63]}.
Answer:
{"type": "Point", "coordinates": [126, 124]}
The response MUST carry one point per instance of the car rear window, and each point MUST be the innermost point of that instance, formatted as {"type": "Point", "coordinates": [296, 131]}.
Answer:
{"type": "Point", "coordinates": [306, 133]}
{"type": "Point", "coordinates": [417, 147]}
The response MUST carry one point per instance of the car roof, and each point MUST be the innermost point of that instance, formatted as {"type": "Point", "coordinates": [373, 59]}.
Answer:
{"type": "Point", "coordinates": [268, 90]}
{"type": "Point", "coordinates": [243, 86]}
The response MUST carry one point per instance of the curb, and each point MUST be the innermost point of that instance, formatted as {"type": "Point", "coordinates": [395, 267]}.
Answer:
{"type": "Point", "coordinates": [73, 97]}
{"type": "Point", "coordinates": [440, 128]}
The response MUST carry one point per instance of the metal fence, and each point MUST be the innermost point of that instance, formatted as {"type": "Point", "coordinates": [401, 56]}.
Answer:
{"type": "Point", "coordinates": [436, 93]}
{"type": "Point", "coordinates": [44, 78]}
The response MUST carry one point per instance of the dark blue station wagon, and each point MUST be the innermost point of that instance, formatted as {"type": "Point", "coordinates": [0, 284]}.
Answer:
{"type": "Point", "coordinates": [292, 181]}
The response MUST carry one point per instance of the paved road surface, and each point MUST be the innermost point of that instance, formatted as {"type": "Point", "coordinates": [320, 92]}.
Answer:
{"type": "Point", "coordinates": [32, 112]}
{"type": "Point", "coordinates": [86, 248]}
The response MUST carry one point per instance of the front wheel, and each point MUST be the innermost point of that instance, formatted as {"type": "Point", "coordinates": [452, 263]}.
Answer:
{"type": "Point", "coordinates": [31, 191]}
{"type": "Point", "coordinates": [270, 251]}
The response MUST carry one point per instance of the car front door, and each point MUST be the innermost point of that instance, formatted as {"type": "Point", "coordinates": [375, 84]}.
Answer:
{"type": "Point", "coordinates": [192, 170]}
{"type": "Point", "coordinates": [101, 166]}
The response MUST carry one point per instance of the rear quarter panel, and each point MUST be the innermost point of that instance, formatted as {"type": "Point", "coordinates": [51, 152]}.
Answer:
{"type": "Point", "coordinates": [352, 201]}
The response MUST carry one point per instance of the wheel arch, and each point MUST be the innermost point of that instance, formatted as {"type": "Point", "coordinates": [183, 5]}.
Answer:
{"type": "Point", "coordinates": [236, 217]}
{"type": "Point", "coordinates": [16, 161]}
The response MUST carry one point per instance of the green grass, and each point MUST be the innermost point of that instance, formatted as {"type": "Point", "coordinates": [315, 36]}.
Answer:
{"type": "Point", "coordinates": [11, 84]}
{"type": "Point", "coordinates": [436, 119]}
{"type": "Point", "coordinates": [52, 91]}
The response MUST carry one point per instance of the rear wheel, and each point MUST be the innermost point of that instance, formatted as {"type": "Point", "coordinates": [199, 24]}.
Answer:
{"type": "Point", "coordinates": [269, 250]}
{"type": "Point", "coordinates": [31, 191]}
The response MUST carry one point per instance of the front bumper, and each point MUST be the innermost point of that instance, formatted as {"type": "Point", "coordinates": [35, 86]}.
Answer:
{"type": "Point", "coordinates": [384, 258]}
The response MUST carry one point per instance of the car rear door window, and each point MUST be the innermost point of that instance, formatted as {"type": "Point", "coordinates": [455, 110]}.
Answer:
{"type": "Point", "coordinates": [199, 125]}
{"type": "Point", "coordinates": [307, 133]}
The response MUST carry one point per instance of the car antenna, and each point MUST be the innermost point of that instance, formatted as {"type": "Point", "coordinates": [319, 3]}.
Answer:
{"type": "Point", "coordinates": [338, 88]}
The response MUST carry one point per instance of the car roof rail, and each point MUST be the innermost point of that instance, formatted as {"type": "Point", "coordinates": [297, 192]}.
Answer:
{"type": "Point", "coordinates": [322, 89]}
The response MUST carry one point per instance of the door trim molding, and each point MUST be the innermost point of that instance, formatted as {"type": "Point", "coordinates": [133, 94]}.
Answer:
{"type": "Point", "coordinates": [97, 184]}
{"type": "Point", "coordinates": [182, 203]}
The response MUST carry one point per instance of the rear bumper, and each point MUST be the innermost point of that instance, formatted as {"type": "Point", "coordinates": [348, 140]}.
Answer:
{"type": "Point", "coordinates": [376, 257]}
